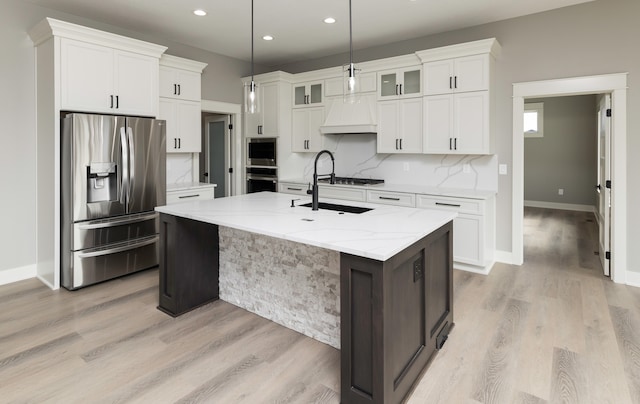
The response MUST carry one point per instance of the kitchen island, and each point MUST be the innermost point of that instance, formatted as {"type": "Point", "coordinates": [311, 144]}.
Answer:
{"type": "Point", "coordinates": [377, 285]}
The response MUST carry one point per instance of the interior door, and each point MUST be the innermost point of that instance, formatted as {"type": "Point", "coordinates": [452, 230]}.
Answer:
{"type": "Point", "coordinates": [218, 154]}
{"type": "Point", "coordinates": [604, 175]}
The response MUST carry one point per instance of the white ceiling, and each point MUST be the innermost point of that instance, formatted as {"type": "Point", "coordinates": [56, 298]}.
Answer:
{"type": "Point", "coordinates": [297, 25]}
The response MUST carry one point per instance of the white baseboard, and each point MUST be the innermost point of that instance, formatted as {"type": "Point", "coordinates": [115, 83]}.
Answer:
{"type": "Point", "coordinates": [505, 257]}
{"type": "Point", "coordinates": [561, 206]}
{"type": "Point", "coordinates": [633, 279]}
{"type": "Point", "coordinates": [473, 268]}
{"type": "Point", "coordinates": [17, 274]}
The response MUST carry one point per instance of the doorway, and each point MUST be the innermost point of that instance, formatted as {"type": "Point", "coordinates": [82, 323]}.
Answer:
{"type": "Point", "coordinates": [216, 159]}
{"type": "Point", "coordinates": [233, 144]}
{"type": "Point", "coordinates": [614, 84]}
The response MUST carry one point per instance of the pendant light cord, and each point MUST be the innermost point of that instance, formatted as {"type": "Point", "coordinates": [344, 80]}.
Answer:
{"type": "Point", "coordinates": [350, 38]}
{"type": "Point", "coordinates": [252, 40]}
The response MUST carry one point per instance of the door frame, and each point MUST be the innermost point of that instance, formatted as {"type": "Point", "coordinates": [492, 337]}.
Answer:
{"type": "Point", "coordinates": [226, 119]}
{"type": "Point", "coordinates": [234, 111]}
{"type": "Point", "coordinates": [614, 84]}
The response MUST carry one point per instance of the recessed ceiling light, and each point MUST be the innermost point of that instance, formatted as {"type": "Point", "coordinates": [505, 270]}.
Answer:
{"type": "Point", "coordinates": [329, 20]}
{"type": "Point", "coordinates": [267, 38]}
{"type": "Point", "coordinates": [200, 13]}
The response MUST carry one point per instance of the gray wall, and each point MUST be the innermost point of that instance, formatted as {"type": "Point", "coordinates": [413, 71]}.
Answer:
{"type": "Point", "coordinates": [221, 82]}
{"type": "Point", "coordinates": [566, 157]}
{"type": "Point", "coordinates": [594, 38]}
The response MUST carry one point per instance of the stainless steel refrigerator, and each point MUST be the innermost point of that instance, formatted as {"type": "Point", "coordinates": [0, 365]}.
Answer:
{"type": "Point", "coordinates": [113, 176]}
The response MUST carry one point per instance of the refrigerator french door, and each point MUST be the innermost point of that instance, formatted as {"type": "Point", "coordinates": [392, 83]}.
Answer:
{"type": "Point", "coordinates": [113, 176]}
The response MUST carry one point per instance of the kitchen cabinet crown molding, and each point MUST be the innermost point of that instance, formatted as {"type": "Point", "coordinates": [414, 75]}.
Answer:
{"type": "Point", "coordinates": [263, 78]}
{"type": "Point", "coordinates": [491, 46]}
{"type": "Point", "coordinates": [182, 63]}
{"type": "Point", "coordinates": [50, 27]}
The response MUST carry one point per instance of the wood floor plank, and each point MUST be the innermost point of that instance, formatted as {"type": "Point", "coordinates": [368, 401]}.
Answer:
{"type": "Point", "coordinates": [550, 330]}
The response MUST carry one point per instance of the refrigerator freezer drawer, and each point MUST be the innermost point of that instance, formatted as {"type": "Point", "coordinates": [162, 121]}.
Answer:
{"type": "Point", "coordinates": [98, 233]}
{"type": "Point", "coordinates": [100, 264]}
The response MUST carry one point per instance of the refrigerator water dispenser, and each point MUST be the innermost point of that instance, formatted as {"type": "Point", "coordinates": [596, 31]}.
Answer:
{"type": "Point", "coordinates": [102, 182]}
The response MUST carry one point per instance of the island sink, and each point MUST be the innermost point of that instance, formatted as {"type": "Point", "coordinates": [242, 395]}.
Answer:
{"type": "Point", "coordinates": [338, 208]}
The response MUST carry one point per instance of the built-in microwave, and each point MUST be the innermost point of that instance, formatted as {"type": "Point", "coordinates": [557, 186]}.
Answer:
{"type": "Point", "coordinates": [261, 151]}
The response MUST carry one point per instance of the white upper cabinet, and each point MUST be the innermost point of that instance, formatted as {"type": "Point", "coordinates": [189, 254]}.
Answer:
{"type": "Point", "coordinates": [180, 84]}
{"type": "Point", "coordinates": [97, 78]}
{"type": "Point", "coordinates": [462, 74]}
{"type": "Point", "coordinates": [307, 94]}
{"type": "Point", "coordinates": [305, 129]}
{"type": "Point", "coordinates": [180, 105]}
{"type": "Point", "coordinates": [334, 87]}
{"type": "Point", "coordinates": [266, 121]}
{"type": "Point", "coordinates": [399, 83]}
{"type": "Point", "coordinates": [457, 123]}
{"type": "Point", "coordinates": [183, 125]}
{"type": "Point", "coordinates": [400, 126]}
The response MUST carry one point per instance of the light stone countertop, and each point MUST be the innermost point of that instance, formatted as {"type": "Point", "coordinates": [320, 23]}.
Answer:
{"type": "Point", "coordinates": [410, 188]}
{"type": "Point", "coordinates": [378, 234]}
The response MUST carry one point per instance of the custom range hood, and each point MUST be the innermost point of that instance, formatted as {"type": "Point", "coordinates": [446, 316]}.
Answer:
{"type": "Point", "coordinates": [356, 117]}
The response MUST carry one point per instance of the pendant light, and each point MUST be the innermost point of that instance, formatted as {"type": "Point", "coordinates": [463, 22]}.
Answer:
{"type": "Point", "coordinates": [351, 83]}
{"type": "Point", "coordinates": [251, 99]}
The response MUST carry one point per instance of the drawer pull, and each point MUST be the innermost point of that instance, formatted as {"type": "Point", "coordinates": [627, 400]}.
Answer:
{"type": "Point", "coordinates": [189, 196]}
{"type": "Point", "coordinates": [386, 198]}
{"type": "Point", "coordinates": [447, 204]}
{"type": "Point", "coordinates": [294, 189]}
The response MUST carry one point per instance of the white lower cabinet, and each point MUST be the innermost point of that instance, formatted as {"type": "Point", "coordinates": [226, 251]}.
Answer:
{"type": "Point", "coordinates": [292, 188]}
{"type": "Point", "coordinates": [346, 193]}
{"type": "Point", "coordinates": [392, 198]}
{"type": "Point", "coordinates": [473, 235]}
{"type": "Point", "coordinates": [190, 194]}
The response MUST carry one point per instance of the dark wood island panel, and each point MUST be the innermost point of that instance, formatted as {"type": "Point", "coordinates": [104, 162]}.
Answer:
{"type": "Point", "coordinates": [188, 264]}
{"type": "Point", "coordinates": [394, 315]}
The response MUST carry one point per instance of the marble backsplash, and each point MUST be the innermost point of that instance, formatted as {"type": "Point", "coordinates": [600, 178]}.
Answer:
{"type": "Point", "coordinates": [179, 168]}
{"type": "Point", "coordinates": [355, 156]}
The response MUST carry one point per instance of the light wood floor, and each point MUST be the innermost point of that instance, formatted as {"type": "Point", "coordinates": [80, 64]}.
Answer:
{"type": "Point", "coordinates": [551, 331]}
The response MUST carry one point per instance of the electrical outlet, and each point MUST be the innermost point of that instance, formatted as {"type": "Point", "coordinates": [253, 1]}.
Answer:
{"type": "Point", "coordinates": [405, 166]}
{"type": "Point", "coordinates": [466, 168]}
{"type": "Point", "coordinates": [560, 191]}
{"type": "Point", "coordinates": [502, 169]}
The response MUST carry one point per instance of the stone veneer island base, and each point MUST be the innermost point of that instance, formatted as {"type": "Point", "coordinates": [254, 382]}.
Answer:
{"type": "Point", "coordinates": [387, 316]}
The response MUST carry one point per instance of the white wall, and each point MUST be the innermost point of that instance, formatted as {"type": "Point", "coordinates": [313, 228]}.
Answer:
{"type": "Point", "coordinates": [566, 157]}
{"type": "Point", "coordinates": [221, 82]}
{"type": "Point", "coordinates": [598, 37]}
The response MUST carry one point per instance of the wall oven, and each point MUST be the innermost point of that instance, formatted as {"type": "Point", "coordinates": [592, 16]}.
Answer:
{"type": "Point", "coordinates": [261, 152]}
{"type": "Point", "coordinates": [262, 179]}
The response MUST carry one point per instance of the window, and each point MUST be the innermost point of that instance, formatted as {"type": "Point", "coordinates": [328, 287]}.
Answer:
{"type": "Point", "coordinates": [534, 119]}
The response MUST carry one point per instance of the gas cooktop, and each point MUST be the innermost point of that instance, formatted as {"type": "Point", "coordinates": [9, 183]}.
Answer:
{"type": "Point", "coordinates": [353, 181]}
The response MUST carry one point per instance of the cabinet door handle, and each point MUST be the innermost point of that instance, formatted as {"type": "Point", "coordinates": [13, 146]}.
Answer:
{"type": "Point", "coordinates": [175, 143]}
{"type": "Point", "coordinates": [450, 82]}
{"type": "Point", "coordinates": [447, 204]}
{"type": "Point", "coordinates": [400, 89]}
{"type": "Point", "coordinates": [111, 101]}
{"type": "Point", "coordinates": [117, 101]}
{"type": "Point", "coordinates": [179, 143]}
{"type": "Point", "coordinates": [387, 198]}
{"type": "Point", "coordinates": [400, 144]}
{"type": "Point", "coordinates": [294, 189]}
{"type": "Point", "coordinates": [455, 143]}
{"type": "Point", "coordinates": [455, 82]}
{"type": "Point", "coordinates": [179, 90]}
{"type": "Point", "coordinates": [189, 196]}
{"type": "Point", "coordinates": [259, 129]}
{"type": "Point", "coordinates": [175, 89]}
{"type": "Point", "coordinates": [450, 143]}
{"type": "Point", "coordinates": [396, 89]}
{"type": "Point", "coordinates": [396, 144]}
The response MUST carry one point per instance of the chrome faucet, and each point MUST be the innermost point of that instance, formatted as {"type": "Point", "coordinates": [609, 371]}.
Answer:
{"type": "Point", "coordinates": [314, 191]}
